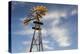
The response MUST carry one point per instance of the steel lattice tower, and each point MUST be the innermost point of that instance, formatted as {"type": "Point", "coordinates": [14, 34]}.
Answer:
{"type": "Point", "coordinates": [37, 39]}
{"type": "Point", "coordinates": [38, 12]}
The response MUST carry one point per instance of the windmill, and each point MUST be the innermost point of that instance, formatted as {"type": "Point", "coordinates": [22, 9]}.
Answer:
{"type": "Point", "coordinates": [37, 13]}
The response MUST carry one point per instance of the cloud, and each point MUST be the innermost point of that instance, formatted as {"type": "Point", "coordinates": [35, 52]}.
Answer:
{"type": "Point", "coordinates": [46, 41]}
{"type": "Point", "coordinates": [61, 36]}
{"type": "Point", "coordinates": [45, 45]}
{"type": "Point", "coordinates": [27, 31]}
{"type": "Point", "coordinates": [22, 19]}
{"type": "Point", "coordinates": [29, 42]}
{"type": "Point", "coordinates": [73, 12]}
{"type": "Point", "coordinates": [55, 15]}
{"type": "Point", "coordinates": [59, 33]}
{"type": "Point", "coordinates": [44, 32]}
{"type": "Point", "coordinates": [26, 42]}
{"type": "Point", "coordinates": [24, 32]}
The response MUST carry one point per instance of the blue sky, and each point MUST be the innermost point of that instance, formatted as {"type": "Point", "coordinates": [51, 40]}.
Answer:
{"type": "Point", "coordinates": [59, 31]}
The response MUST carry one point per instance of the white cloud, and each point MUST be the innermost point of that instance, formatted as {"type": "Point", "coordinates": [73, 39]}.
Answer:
{"type": "Point", "coordinates": [26, 42]}
{"type": "Point", "coordinates": [44, 32]}
{"type": "Point", "coordinates": [45, 45]}
{"type": "Point", "coordinates": [29, 42]}
{"type": "Point", "coordinates": [45, 41]}
{"type": "Point", "coordinates": [55, 15]}
{"type": "Point", "coordinates": [28, 31]}
{"type": "Point", "coordinates": [22, 19]}
{"type": "Point", "coordinates": [24, 32]}
{"type": "Point", "coordinates": [61, 36]}
{"type": "Point", "coordinates": [73, 12]}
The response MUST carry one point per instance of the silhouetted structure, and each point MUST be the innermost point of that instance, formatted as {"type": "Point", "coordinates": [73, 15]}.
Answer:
{"type": "Point", "coordinates": [38, 12]}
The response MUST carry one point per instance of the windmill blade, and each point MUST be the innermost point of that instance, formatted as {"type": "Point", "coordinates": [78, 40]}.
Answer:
{"type": "Point", "coordinates": [26, 21]}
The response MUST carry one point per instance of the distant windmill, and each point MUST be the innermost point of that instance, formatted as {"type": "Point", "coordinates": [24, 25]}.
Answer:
{"type": "Point", "coordinates": [37, 13]}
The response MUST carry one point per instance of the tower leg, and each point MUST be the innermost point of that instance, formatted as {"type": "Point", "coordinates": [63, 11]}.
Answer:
{"type": "Point", "coordinates": [40, 41]}
{"type": "Point", "coordinates": [32, 41]}
{"type": "Point", "coordinates": [36, 41]}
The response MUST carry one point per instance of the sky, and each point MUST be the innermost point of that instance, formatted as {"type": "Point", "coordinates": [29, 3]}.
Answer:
{"type": "Point", "coordinates": [59, 32]}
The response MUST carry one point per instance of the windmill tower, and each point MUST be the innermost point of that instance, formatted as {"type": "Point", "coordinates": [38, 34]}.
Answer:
{"type": "Point", "coordinates": [38, 12]}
